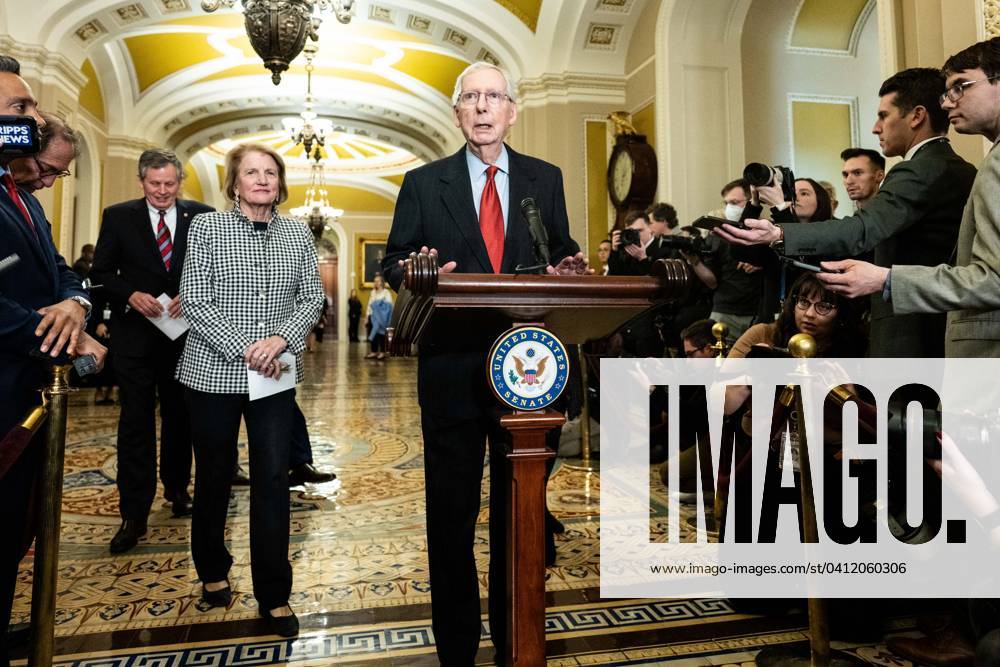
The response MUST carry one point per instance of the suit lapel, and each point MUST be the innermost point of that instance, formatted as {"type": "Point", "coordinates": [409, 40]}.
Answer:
{"type": "Point", "coordinates": [180, 238]}
{"type": "Point", "coordinates": [13, 213]}
{"type": "Point", "coordinates": [521, 184]}
{"type": "Point", "coordinates": [457, 196]}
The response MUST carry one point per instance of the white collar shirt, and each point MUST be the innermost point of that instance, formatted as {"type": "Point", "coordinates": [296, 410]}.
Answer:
{"type": "Point", "coordinates": [477, 176]}
{"type": "Point", "coordinates": [913, 149]}
{"type": "Point", "coordinates": [170, 218]}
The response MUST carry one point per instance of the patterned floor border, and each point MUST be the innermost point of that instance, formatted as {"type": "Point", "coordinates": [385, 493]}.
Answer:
{"type": "Point", "coordinates": [397, 640]}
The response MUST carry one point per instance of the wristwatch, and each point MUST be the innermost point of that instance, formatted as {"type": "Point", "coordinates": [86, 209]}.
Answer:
{"type": "Point", "coordinates": [779, 245]}
{"type": "Point", "coordinates": [87, 306]}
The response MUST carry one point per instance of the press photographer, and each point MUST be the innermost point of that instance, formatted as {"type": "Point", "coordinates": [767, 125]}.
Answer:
{"type": "Point", "coordinates": [634, 247]}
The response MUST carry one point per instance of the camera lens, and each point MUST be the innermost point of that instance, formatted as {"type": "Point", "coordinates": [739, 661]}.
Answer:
{"type": "Point", "coordinates": [757, 174]}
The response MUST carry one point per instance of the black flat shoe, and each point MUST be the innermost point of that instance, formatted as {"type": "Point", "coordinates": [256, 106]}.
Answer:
{"type": "Point", "coordinates": [240, 478]}
{"type": "Point", "coordinates": [127, 536]}
{"type": "Point", "coordinates": [283, 626]}
{"type": "Point", "coordinates": [219, 598]}
{"type": "Point", "coordinates": [307, 473]}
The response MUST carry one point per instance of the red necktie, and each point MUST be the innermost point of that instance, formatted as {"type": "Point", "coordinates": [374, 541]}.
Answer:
{"type": "Point", "coordinates": [8, 182]}
{"type": "Point", "coordinates": [491, 220]}
{"type": "Point", "coordinates": [163, 240]}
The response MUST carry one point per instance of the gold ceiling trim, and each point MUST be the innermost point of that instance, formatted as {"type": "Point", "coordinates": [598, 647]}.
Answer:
{"type": "Point", "coordinates": [526, 11]}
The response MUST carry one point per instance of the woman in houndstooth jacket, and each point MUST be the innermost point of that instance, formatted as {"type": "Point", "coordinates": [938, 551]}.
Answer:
{"type": "Point", "coordinates": [251, 291]}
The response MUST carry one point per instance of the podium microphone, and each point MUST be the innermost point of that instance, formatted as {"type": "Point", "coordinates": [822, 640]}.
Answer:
{"type": "Point", "coordinates": [539, 235]}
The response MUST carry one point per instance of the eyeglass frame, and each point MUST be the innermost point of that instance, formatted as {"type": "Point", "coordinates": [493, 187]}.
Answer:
{"type": "Point", "coordinates": [44, 171]}
{"type": "Point", "coordinates": [959, 89]}
{"type": "Point", "coordinates": [799, 299]}
{"type": "Point", "coordinates": [466, 95]}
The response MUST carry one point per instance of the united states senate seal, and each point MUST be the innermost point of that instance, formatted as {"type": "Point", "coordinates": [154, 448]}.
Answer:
{"type": "Point", "coordinates": [528, 368]}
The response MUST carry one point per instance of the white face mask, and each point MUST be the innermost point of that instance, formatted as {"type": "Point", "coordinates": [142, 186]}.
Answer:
{"type": "Point", "coordinates": [733, 212]}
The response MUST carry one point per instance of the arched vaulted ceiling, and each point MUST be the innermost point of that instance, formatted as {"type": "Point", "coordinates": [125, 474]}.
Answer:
{"type": "Point", "coordinates": [169, 73]}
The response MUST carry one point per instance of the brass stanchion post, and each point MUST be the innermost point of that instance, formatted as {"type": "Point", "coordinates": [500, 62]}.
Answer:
{"type": "Point", "coordinates": [43, 591]}
{"type": "Point", "coordinates": [817, 652]}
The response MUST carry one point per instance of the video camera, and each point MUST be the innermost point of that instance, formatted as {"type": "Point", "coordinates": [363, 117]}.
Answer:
{"type": "Point", "coordinates": [761, 175]}
{"type": "Point", "coordinates": [19, 136]}
{"type": "Point", "coordinates": [692, 245]}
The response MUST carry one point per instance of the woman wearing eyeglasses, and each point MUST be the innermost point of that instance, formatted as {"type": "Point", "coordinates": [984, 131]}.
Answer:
{"type": "Point", "coordinates": [810, 308]}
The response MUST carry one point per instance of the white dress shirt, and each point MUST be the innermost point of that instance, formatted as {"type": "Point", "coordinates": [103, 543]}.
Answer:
{"type": "Point", "coordinates": [477, 175]}
{"type": "Point", "coordinates": [170, 218]}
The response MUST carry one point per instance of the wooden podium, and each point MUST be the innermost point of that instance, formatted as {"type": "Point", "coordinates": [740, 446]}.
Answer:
{"type": "Point", "coordinates": [574, 308]}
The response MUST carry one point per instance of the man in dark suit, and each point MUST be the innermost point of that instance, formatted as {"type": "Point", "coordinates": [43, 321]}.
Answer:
{"type": "Point", "coordinates": [139, 257]}
{"type": "Point", "coordinates": [42, 309]}
{"type": "Point", "coordinates": [466, 209]}
{"type": "Point", "coordinates": [914, 218]}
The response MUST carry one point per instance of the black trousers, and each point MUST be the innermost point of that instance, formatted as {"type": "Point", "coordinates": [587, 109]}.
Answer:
{"type": "Point", "coordinates": [301, 451]}
{"type": "Point", "coordinates": [141, 381]}
{"type": "Point", "coordinates": [215, 425]}
{"type": "Point", "coordinates": [17, 520]}
{"type": "Point", "coordinates": [453, 467]}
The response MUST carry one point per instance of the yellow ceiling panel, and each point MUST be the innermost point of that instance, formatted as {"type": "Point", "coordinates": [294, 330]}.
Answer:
{"type": "Point", "coordinates": [436, 70]}
{"type": "Point", "coordinates": [191, 184]}
{"type": "Point", "coordinates": [395, 178]}
{"type": "Point", "coordinates": [335, 72]}
{"type": "Point", "coordinates": [155, 57]}
{"type": "Point", "coordinates": [526, 11]}
{"type": "Point", "coordinates": [341, 153]}
{"type": "Point", "coordinates": [341, 196]}
{"type": "Point", "coordinates": [822, 24]}
{"type": "Point", "coordinates": [230, 20]}
{"type": "Point", "coordinates": [220, 170]}
{"type": "Point", "coordinates": [346, 51]}
{"type": "Point", "coordinates": [91, 97]}
{"type": "Point", "coordinates": [365, 151]}
{"type": "Point", "coordinates": [371, 145]}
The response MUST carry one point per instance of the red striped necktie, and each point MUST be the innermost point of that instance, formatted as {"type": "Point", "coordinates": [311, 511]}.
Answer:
{"type": "Point", "coordinates": [491, 220]}
{"type": "Point", "coordinates": [8, 182]}
{"type": "Point", "coordinates": [163, 242]}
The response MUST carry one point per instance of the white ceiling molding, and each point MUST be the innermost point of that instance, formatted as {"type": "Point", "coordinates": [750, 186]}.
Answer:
{"type": "Point", "coordinates": [571, 87]}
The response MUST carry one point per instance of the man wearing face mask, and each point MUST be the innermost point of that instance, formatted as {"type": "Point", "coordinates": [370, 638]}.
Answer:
{"type": "Point", "coordinates": [737, 283]}
{"type": "Point", "coordinates": [912, 219]}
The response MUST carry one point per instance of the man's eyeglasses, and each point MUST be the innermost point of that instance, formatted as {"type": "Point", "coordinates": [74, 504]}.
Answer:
{"type": "Point", "coordinates": [45, 171]}
{"type": "Point", "coordinates": [822, 307]}
{"type": "Point", "coordinates": [955, 93]}
{"type": "Point", "coordinates": [470, 98]}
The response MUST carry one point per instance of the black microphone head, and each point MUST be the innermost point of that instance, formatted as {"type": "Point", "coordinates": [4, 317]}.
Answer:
{"type": "Point", "coordinates": [528, 202]}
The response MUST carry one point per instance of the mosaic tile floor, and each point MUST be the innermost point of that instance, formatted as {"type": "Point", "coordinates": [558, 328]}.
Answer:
{"type": "Point", "coordinates": [359, 556]}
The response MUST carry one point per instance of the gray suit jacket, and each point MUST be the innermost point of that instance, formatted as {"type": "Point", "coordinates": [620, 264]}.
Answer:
{"type": "Point", "coordinates": [913, 219]}
{"type": "Point", "coordinates": [969, 291]}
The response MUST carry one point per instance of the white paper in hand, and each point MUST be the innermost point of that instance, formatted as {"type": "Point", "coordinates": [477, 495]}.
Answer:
{"type": "Point", "coordinates": [173, 327]}
{"type": "Point", "coordinates": [262, 387]}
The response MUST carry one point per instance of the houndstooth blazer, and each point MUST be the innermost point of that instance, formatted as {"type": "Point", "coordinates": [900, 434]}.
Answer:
{"type": "Point", "coordinates": [240, 286]}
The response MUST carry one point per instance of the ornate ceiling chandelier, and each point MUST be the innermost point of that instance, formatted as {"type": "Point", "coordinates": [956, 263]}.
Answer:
{"type": "Point", "coordinates": [316, 211]}
{"type": "Point", "coordinates": [308, 129]}
{"type": "Point", "coordinates": [278, 28]}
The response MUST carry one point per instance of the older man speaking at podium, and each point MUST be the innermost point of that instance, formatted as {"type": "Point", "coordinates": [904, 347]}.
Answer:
{"type": "Point", "coordinates": [467, 209]}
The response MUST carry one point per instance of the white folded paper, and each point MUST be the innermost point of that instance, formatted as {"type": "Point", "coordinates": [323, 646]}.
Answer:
{"type": "Point", "coordinates": [173, 327]}
{"type": "Point", "coordinates": [262, 387]}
